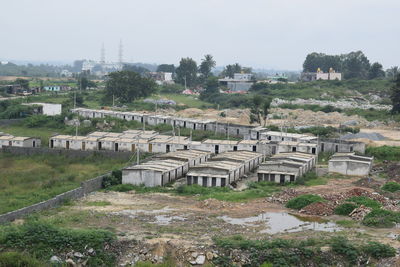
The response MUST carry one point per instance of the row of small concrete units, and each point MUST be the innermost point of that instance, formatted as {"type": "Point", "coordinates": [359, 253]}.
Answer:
{"type": "Point", "coordinates": [246, 131]}
{"type": "Point", "coordinates": [286, 167]}
{"type": "Point", "coordinates": [153, 142]}
{"type": "Point", "coordinates": [18, 141]}
{"type": "Point", "coordinates": [198, 167]}
{"type": "Point", "coordinates": [350, 164]}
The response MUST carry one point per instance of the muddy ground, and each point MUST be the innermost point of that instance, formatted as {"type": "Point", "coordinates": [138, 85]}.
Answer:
{"type": "Point", "coordinates": [160, 219]}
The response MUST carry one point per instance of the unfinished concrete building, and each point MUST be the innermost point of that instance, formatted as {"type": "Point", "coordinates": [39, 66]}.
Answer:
{"type": "Point", "coordinates": [286, 167]}
{"type": "Point", "coordinates": [341, 146]}
{"type": "Point", "coordinates": [350, 164]}
{"type": "Point", "coordinates": [19, 141]}
{"type": "Point", "coordinates": [193, 157]}
{"type": "Point", "coordinates": [164, 169]}
{"type": "Point", "coordinates": [154, 173]}
{"type": "Point", "coordinates": [223, 169]}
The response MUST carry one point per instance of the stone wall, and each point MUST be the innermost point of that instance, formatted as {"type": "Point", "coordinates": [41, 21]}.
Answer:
{"type": "Point", "coordinates": [9, 122]}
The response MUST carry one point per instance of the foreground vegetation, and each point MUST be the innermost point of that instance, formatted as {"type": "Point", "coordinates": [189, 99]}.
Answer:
{"type": "Point", "coordinates": [26, 180]}
{"type": "Point", "coordinates": [43, 240]}
{"type": "Point", "coordinates": [281, 252]}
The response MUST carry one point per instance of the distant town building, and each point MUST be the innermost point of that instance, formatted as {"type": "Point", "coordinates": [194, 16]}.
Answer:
{"type": "Point", "coordinates": [100, 68]}
{"type": "Point", "coordinates": [56, 88]}
{"type": "Point", "coordinates": [241, 82]}
{"type": "Point", "coordinates": [320, 75]}
{"type": "Point", "coordinates": [161, 77]}
{"type": "Point", "coordinates": [66, 73]}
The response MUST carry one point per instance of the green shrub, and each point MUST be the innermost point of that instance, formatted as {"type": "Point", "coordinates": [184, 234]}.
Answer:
{"type": "Point", "coordinates": [391, 187]}
{"type": "Point", "coordinates": [302, 201]}
{"type": "Point", "coordinates": [379, 250]}
{"type": "Point", "coordinates": [384, 152]}
{"type": "Point", "coordinates": [342, 247]}
{"type": "Point", "coordinates": [44, 239]}
{"type": "Point", "coordinates": [305, 178]}
{"type": "Point", "coordinates": [17, 259]}
{"type": "Point", "coordinates": [345, 208]}
{"type": "Point", "coordinates": [114, 179]}
{"type": "Point", "coordinates": [381, 218]}
{"type": "Point", "coordinates": [366, 201]}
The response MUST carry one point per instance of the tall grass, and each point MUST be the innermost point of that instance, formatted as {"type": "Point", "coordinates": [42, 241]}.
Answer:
{"type": "Point", "coordinates": [25, 180]}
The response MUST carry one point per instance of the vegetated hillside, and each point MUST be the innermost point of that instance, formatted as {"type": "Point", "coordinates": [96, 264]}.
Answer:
{"type": "Point", "coordinates": [26, 180]}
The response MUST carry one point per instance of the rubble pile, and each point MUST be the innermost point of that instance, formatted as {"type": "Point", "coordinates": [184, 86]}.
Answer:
{"type": "Point", "coordinates": [184, 254]}
{"type": "Point", "coordinates": [284, 196]}
{"type": "Point", "coordinates": [319, 208]}
{"type": "Point", "coordinates": [359, 213]}
{"type": "Point", "coordinates": [393, 171]}
{"type": "Point", "coordinates": [214, 204]}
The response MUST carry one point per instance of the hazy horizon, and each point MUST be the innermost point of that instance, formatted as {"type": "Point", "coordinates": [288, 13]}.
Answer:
{"type": "Point", "coordinates": [258, 33]}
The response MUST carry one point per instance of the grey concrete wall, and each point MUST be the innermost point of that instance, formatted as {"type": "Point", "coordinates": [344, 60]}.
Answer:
{"type": "Point", "coordinates": [65, 152]}
{"type": "Point", "coordinates": [9, 122]}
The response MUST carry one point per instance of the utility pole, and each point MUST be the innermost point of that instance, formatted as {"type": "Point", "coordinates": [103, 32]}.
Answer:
{"type": "Point", "coordinates": [137, 150]}
{"type": "Point", "coordinates": [190, 140]}
{"type": "Point", "coordinates": [185, 82]}
{"type": "Point", "coordinates": [74, 99]}
{"type": "Point", "coordinates": [113, 101]}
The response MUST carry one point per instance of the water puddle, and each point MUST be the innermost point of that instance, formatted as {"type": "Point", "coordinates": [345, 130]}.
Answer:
{"type": "Point", "coordinates": [134, 213]}
{"type": "Point", "coordinates": [165, 220]}
{"type": "Point", "coordinates": [282, 222]}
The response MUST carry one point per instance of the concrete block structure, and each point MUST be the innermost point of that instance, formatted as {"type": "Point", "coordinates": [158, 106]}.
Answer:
{"type": "Point", "coordinates": [193, 157]}
{"type": "Point", "coordinates": [341, 146]}
{"type": "Point", "coordinates": [19, 141]}
{"type": "Point", "coordinates": [223, 169]}
{"type": "Point", "coordinates": [350, 164]}
{"type": "Point", "coordinates": [286, 167]}
{"type": "Point", "coordinates": [154, 173]}
{"type": "Point", "coordinates": [164, 169]}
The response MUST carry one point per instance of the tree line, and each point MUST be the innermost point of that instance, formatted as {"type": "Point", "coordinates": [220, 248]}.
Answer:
{"type": "Point", "coordinates": [351, 65]}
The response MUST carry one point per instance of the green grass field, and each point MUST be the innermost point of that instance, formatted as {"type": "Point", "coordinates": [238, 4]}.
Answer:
{"type": "Point", "coordinates": [189, 101]}
{"type": "Point", "coordinates": [28, 180]}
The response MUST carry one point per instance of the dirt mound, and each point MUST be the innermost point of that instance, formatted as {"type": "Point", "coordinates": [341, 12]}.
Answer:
{"type": "Point", "coordinates": [319, 208]}
{"type": "Point", "coordinates": [370, 183]}
{"type": "Point", "coordinates": [300, 117]}
{"type": "Point", "coordinates": [190, 113]}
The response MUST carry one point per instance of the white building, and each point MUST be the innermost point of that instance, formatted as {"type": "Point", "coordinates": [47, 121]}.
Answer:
{"type": "Point", "coordinates": [47, 108]}
{"type": "Point", "coordinates": [350, 164]}
{"type": "Point", "coordinates": [19, 141]}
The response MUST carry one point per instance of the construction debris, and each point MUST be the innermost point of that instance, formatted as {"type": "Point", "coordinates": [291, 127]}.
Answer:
{"type": "Point", "coordinates": [319, 208]}
{"type": "Point", "coordinates": [359, 213]}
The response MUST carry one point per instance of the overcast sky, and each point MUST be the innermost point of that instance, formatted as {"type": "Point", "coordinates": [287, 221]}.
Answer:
{"type": "Point", "coordinates": [259, 33]}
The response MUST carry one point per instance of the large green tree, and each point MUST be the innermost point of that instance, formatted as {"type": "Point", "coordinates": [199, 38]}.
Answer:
{"type": "Point", "coordinates": [392, 72]}
{"type": "Point", "coordinates": [376, 71]}
{"type": "Point", "coordinates": [324, 62]}
{"type": "Point", "coordinates": [395, 96]}
{"type": "Point", "coordinates": [356, 65]}
{"type": "Point", "coordinates": [230, 70]}
{"type": "Point", "coordinates": [22, 82]}
{"type": "Point", "coordinates": [187, 72]}
{"type": "Point", "coordinates": [207, 64]}
{"type": "Point", "coordinates": [166, 68]}
{"type": "Point", "coordinates": [127, 86]}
